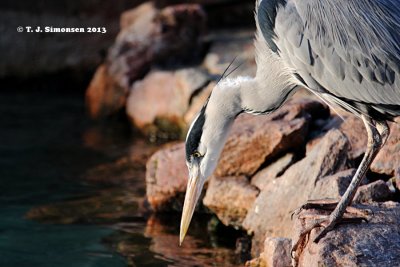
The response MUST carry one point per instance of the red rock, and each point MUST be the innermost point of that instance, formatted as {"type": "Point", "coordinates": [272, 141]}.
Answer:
{"type": "Point", "coordinates": [255, 139]}
{"type": "Point", "coordinates": [262, 178]}
{"type": "Point", "coordinates": [388, 159]}
{"type": "Point", "coordinates": [333, 186]}
{"type": "Point", "coordinates": [376, 191]}
{"type": "Point", "coordinates": [376, 243]}
{"type": "Point", "coordinates": [148, 36]}
{"type": "Point", "coordinates": [104, 95]}
{"type": "Point", "coordinates": [270, 213]}
{"type": "Point", "coordinates": [157, 104]}
{"type": "Point", "coordinates": [230, 198]}
{"type": "Point", "coordinates": [277, 252]}
{"type": "Point", "coordinates": [352, 127]}
{"type": "Point", "coordinates": [166, 178]}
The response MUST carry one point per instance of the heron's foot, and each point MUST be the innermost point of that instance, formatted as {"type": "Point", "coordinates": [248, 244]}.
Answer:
{"type": "Point", "coordinates": [316, 214]}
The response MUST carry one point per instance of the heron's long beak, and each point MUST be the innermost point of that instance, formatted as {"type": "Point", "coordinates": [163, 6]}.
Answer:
{"type": "Point", "coordinates": [193, 192]}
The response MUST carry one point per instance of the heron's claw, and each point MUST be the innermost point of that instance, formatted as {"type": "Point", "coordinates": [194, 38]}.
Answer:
{"type": "Point", "coordinates": [316, 214]}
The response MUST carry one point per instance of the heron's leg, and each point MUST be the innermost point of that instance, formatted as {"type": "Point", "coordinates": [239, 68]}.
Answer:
{"type": "Point", "coordinates": [376, 136]}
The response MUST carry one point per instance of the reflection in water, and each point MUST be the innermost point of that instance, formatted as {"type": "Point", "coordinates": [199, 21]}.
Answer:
{"type": "Point", "coordinates": [163, 232]}
{"type": "Point", "coordinates": [73, 194]}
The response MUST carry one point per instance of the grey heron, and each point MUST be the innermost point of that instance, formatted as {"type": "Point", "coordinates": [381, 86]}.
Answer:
{"type": "Point", "coordinates": [345, 51]}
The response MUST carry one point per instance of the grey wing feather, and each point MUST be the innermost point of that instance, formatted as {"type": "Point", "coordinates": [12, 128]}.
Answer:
{"type": "Point", "coordinates": [349, 48]}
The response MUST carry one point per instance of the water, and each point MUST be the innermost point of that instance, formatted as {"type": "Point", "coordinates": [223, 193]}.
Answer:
{"type": "Point", "coordinates": [50, 154]}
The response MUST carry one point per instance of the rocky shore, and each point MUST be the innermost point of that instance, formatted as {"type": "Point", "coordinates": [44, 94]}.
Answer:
{"type": "Point", "coordinates": [160, 70]}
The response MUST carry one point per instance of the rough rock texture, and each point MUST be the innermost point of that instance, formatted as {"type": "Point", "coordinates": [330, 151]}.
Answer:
{"type": "Point", "coordinates": [388, 159]}
{"type": "Point", "coordinates": [277, 252]}
{"type": "Point", "coordinates": [376, 243]}
{"type": "Point", "coordinates": [157, 104]}
{"type": "Point", "coordinates": [262, 178]}
{"type": "Point", "coordinates": [148, 36]}
{"type": "Point", "coordinates": [252, 141]}
{"type": "Point", "coordinates": [376, 191]}
{"type": "Point", "coordinates": [352, 127]}
{"type": "Point", "coordinates": [166, 178]}
{"type": "Point", "coordinates": [256, 139]}
{"type": "Point", "coordinates": [294, 187]}
{"type": "Point", "coordinates": [333, 186]}
{"type": "Point", "coordinates": [230, 198]}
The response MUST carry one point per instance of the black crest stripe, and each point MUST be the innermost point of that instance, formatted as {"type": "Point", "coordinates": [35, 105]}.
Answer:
{"type": "Point", "coordinates": [194, 136]}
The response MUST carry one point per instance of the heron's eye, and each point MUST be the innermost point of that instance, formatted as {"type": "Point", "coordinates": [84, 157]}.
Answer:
{"type": "Point", "coordinates": [196, 154]}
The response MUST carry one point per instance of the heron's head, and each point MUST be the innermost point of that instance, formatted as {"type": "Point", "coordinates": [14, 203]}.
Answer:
{"type": "Point", "coordinates": [205, 141]}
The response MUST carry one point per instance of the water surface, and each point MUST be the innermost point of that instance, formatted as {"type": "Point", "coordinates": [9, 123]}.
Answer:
{"type": "Point", "coordinates": [63, 171]}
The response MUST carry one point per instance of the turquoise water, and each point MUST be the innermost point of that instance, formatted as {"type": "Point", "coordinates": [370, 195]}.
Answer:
{"type": "Point", "coordinates": [46, 147]}
{"type": "Point", "coordinates": [40, 159]}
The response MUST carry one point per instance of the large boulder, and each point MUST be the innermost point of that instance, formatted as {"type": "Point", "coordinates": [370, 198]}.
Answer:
{"type": "Point", "coordinates": [256, 139]}
{"type": "Point", "coordinates": [376, 243]}
{"type": "Point", "coordinates": [252, 141]}
{"type": "Point", "coordinates": [230, 198]}
{"type": "Point", "coordinates": [149, 36]}
{"type": "Point", "coordinates": [104, 95]}
{"type": "Point", "coordinates": [265, 176]}
{"type": "Point", "coordinates": [166, 178]}
{"type": "Point", "coordinates": [294, 188]}
{"type": "Point", "coordinates": [157, 105]}
{"type": "Point", "coordinates": [351, 126]}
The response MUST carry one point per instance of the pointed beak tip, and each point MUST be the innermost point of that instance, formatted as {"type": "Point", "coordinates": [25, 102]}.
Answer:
{"type": "Point", "coordinates": [192, 195]}
{"type": "Point", "coordinates": [181, 238]}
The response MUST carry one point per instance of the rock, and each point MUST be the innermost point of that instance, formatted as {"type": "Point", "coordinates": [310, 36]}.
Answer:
{"type": "Point", "coordinates": [256, 139]}
{"type": "Point", "coordinates": [228, 46]}
{"type": "Point", "coordinates": [270, 213]}
{"type": "Point", "coordinates": [166, 178]}
{"type": "Point", "coordinates": [376, 243]}
{"type": "Point", "coordinates": [230, 198]}
{"type": "Point", "coordinates": [376, 191]}
{"type": "Point", "coordinates": [197, 102]}
{"type": "Point", "coordinates": [257, 262]}
{"type": "Point", "coordinates": [262, 178]}
{"type": "Point", "coordinates": [397, 179]}
{"type": "Point", "coordinates": [333, 186]}
{"type": "Point", "coordinates": [157, 104]}
{"type": "Point", "coordinates": [252, 141]}
{"type": "Point", "coordinates": [352, 127]}
{"type": "Point", "coordinates": [148, 37]}
{"type": "Point", "coordinates": [104, 95]}
{"type": "Point", "coordinates": [388, 159]}
{"type": "Point", "coordinates": [277, 252]}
